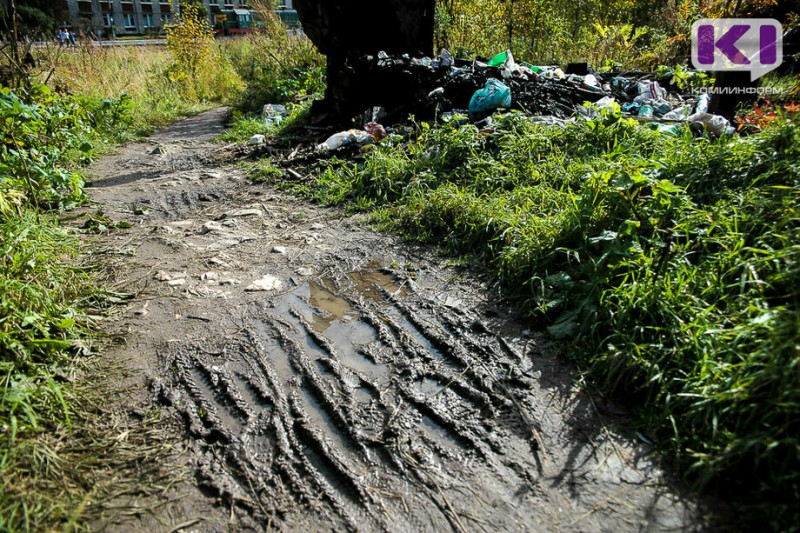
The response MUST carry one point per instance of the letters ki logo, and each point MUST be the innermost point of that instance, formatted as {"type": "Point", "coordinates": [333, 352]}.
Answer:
{"type": "Point", "coordinates": [754, 45]}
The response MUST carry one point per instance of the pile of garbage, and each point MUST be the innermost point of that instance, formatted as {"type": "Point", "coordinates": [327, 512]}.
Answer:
{"type": "Point", "coordinates": [444, 85]}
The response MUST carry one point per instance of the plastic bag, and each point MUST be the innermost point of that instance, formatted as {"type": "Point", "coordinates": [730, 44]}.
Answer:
{"type": "Point", "coordinates": [377, 131]}
{"type": "Point", "coordinates": [669, 129]}
{"type": "Point", "coordinates": [494, 95]}
{"type": "Point", "coordinates": [651, 90]}
{"type": "Point", "coordinates": [606, 102]}
{"type": "Point", "coordinates": [702, 103]}
{"type": "Point", "coordinates": [716, 124]}
{"type": "Point", "coordinates": [346, 138]}
{"type": "Point", "coordinates": [500, 59]}
{"type": "Point", "coordinates": [678, 114]}
{"type": "Point", "coordinates": [446, 59]}
{"type": "Point", "coordinates": [590, 80]}
{"type": "Point", "coordinates": [661, 107]}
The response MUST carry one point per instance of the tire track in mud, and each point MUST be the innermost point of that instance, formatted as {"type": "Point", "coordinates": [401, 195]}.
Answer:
{"type": "Point", "coordinates": [374, 406]}
{"type": "Point", "coordinates": [355, 394]}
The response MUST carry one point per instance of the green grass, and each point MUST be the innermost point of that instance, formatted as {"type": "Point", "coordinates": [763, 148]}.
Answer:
{"type": "Point", "coordinates": [54, 453]}
{"type": "Point", "coordinates": [669, 266]}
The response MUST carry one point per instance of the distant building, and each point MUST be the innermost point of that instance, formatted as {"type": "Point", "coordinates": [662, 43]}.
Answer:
{"type": "Point", "coordinates": [137, 17]}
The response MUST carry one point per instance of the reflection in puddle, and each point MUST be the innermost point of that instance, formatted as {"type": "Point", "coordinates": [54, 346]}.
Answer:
{"type": "Point", "coordinates": [333, 307]}
{"type": "Point", "coordinates": [338, 321]}
{"type": "Point", "coordinates": [368, 284]}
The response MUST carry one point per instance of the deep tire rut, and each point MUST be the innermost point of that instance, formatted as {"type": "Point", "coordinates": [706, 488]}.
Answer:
{"type": "Point", "coordinates": [328, 377]}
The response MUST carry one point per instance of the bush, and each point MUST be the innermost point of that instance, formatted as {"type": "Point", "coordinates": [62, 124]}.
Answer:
{"type": "Point", "coordinates": [278, 68]}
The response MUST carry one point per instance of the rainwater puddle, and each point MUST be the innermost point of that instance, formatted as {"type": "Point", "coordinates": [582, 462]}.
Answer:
{"type": "Point", "coordinates": [368, 283]}
{"type": "Point", "coordinates": [335, 308]}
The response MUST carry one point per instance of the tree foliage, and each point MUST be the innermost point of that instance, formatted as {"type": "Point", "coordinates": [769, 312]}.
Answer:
{"type": "Point", "coordinates": [632, 33]}
{"type": "Point", "coordinates": [190, 39]}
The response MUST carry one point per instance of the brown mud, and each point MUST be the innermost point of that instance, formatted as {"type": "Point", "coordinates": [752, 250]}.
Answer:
{"type": "Point", "coordinates": [322, 376]}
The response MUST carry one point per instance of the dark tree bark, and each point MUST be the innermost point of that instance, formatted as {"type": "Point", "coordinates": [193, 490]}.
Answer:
{"type": "Point", "coordinates": [339, 30]}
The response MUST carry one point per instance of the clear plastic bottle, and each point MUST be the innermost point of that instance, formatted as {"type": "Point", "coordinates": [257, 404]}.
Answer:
{"type": "Point", "coordinates": [702, 103]}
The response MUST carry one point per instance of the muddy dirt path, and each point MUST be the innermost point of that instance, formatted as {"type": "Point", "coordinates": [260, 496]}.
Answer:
{"type": "Point", "coordinates": [324, 376]}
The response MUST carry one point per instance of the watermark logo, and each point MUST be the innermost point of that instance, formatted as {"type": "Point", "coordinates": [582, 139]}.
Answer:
{"type": "Point", "coordinates": [754, 45]}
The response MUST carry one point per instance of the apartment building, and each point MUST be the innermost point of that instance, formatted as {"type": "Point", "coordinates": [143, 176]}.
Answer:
{"type": "Point", "coordinates": [138, 17]}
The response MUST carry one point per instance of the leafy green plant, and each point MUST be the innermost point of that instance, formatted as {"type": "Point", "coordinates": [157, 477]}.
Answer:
{"type": "Point", "coordinates": [36, 140]}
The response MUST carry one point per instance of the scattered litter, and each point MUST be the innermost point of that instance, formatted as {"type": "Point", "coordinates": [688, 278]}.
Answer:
{"type": "Point", "coordinates": [346, 138]}
{"type": "Point", "coordinates": [680, 113]}
{"type": "Point", "coordinates": [702, 103]}
{"type": "Point", "coordinates": [142, 311]}
{"type": "Point", "coordinates": [274, 114]}
{"type": "Point", "coordinates": [162, 275]}
{"type": "Point", "coordinates": [279, 250]}
{"type": "Point", "coordinates": [377, 131]}
{"type": "Point", "coordinates": [446, 59]}
{"type": "Point", "coordinates": [176, 282]}
{"type": "Point", "coordinates": [210, 227]}
{"type": "Point", "coordinates": [257, 139]}
{"type": "Point", "coordinates": [494, 95]}
{"type": "Point", "coordinates": [714, 124]}
{"type": "Point", "coordinates": [267, 283]}
{"type": "Point", "coordinates": [218, 262]}
{"type": "Point", "coordinates": [182, 223]}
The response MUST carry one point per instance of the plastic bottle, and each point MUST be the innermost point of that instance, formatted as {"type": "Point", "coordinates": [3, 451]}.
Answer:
{"type": "Point", "coordinates": [702, 104]}
{"type": "Point", "coordinates": [345, 138]}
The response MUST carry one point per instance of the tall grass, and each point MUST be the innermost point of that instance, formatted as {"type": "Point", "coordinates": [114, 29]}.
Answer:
{"type": "Point", "coordinates": [156, 91]}
{"type": "Point", "coordinates": [668, 265]}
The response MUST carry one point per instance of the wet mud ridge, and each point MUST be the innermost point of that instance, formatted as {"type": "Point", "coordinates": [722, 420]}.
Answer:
{"type": "Point", "coordinates": [328, 377]}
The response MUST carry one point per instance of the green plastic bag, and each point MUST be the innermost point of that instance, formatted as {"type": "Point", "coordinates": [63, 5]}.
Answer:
{"type": "Point", "coordinates": [495, 94]}
{"type": "Point", "coordinates": [500, 59]}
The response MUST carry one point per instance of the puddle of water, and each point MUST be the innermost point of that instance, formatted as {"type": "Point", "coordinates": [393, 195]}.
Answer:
{"type": "Point", "coordinates": [436, 430]}
{"type": "Point", "coordinates": [343, 328]}
{"type": "Point", "coordinates": [335, 307]}
{"type": "Point", "coordinates": [315, 348]}
{"type": "Point", "coordinates": [364, 395]}
{"type": "Point", "coordinates": [367, 283]}
{"type": "Point", "coordinates": [350, 334]}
